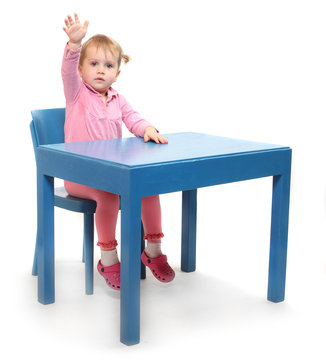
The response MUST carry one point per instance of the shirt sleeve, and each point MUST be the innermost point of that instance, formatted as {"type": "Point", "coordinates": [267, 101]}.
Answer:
{"type": "Point", "coordinates": [132, 119]}
{"type": "Point", "coordinates": [70, 75]}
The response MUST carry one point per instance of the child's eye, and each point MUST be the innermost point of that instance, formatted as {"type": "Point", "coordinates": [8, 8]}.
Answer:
{"type": "Point", "coordinates": [93, 63]}
{"type": "Point", "coordinates": [108, 65]}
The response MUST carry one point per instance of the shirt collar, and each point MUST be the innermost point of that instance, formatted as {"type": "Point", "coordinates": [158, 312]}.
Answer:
{"type": "Point", "coordinates": [111, 91]}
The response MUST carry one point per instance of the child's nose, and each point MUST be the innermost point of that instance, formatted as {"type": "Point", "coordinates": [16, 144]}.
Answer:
{"type": "Point", "coordinates": [100, 69]}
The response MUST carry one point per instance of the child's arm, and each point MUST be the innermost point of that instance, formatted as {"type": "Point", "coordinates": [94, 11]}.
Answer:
{"type": "Point", "coordinates": [137, 125]}
{"type": "Point", "coordinates": [69, 70]}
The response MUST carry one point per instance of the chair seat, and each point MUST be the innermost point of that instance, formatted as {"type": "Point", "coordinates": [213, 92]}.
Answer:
{"type": "Point", "coordinates": [65, 201]}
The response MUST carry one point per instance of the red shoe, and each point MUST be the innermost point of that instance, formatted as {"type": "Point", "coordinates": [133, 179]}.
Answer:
{"type": "Point", "coordinates": [111, 274]}
{"type": "Point", "coordinates": [159, 267]}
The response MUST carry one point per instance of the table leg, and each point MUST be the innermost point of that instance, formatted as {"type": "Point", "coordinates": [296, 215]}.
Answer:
{"type": "Point", "coordinates": [279, 236]}
{"type": "Point", "coordinates": [45, 238]}
{"type": "Point", "coordinates": [188, 237]}
{"type": "Point", "coordinates": [130, 270]}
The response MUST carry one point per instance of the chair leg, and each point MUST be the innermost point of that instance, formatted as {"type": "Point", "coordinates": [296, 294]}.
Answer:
{"type": "Point", "coordinates": [142, 248]}
{"type": "Point", "coordinates": [45, 239]}
{"type": "Point", "coordinates": [89, 252]}
{"type": "Point", "coordinates": [34, 270]}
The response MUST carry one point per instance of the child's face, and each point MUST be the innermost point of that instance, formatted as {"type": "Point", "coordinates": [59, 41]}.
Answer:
{"type": "Point", "coordinates": [99, 69]}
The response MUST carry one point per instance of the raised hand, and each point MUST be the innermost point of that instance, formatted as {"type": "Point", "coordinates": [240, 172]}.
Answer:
{"type": "Point", "coordinates": [75, 31]}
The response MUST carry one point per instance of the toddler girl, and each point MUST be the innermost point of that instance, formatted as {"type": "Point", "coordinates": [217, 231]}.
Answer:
{"type": "Point", "coordinates": [95, 111]}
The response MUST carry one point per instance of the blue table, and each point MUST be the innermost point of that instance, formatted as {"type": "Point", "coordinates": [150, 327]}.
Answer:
{"type": "Point", "coordinates": [134, 169]}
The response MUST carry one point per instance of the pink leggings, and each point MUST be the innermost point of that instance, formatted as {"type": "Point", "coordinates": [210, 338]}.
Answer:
{"type": "Point", "coordinates": [107, 213]}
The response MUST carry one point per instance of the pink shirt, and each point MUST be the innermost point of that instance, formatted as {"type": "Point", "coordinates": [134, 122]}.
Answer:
{"type": "Point", "coordinates": [87, 116]}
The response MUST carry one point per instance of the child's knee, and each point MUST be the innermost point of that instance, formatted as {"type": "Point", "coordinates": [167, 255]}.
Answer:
{"type": "Point", "coordinates": [105, 199]}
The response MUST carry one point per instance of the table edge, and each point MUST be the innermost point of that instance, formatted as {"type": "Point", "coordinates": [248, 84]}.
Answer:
{"type": "Point", "coordinates": [43, 148]}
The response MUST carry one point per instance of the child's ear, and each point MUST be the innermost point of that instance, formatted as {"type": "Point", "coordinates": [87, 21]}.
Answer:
{"type": "Point", "coordinates": [116, 77]}
{"type": "Point", "coordinates": [80, 70]}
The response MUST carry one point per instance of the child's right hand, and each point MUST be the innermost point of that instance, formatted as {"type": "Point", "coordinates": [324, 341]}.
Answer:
{"type": "Point", "coordinates": [75, 31]}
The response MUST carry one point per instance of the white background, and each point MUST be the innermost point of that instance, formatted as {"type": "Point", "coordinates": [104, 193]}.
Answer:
{"type": "Point", "coordinates": [245, 69]}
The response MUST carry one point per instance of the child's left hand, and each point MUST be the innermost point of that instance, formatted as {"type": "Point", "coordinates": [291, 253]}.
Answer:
{"type": "Point", "coordinates": [152, 134]}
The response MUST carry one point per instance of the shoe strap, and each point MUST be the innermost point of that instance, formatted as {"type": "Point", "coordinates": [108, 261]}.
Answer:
{"type": "Point", "coordinates": [159, 260]}
{"type": "Point", "coordinates": [108, 269]}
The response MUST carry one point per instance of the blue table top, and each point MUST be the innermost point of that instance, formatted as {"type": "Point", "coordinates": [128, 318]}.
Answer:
{"type": "Point", "coordinates": [133, 152]}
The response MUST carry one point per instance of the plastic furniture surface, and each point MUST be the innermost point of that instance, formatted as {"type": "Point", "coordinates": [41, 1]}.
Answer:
{"type": "Point", "coordinates": [47, 127]}
{"type": "Point", "coordinates": [65, 201]}
{"type": "Point", "coordinates": [134, 169]}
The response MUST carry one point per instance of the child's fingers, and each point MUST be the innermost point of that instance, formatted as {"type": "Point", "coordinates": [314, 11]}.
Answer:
{"type": "Point", "coordinates": [163, 140]}
{"type": "Point", "coordinates": [154, 137]}
{"type": "Point", "coordinates": [152, 134]}
{"type": "Point", "coordinates": [85, 26]}
{"type": "Point", "coordinates": [70, 19]}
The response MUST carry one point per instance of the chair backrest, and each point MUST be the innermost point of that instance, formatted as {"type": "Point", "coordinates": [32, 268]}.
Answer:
{"type": "Point", "coordinates": [47, 126]}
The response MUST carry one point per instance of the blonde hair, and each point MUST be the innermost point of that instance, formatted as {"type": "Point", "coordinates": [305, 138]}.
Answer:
{"type": "Point", "coordinates": [106, 43]}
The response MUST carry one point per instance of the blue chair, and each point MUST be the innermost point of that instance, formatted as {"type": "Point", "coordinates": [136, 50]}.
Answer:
{"type": "Point", "coordinates": [47, 127]}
